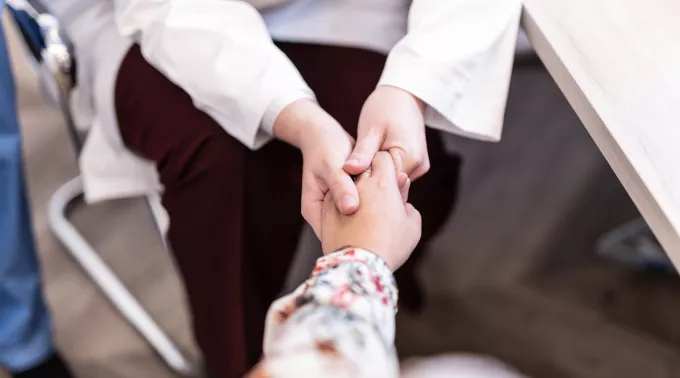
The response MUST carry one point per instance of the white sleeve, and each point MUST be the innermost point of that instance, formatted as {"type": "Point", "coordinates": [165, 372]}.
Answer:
{"type": "Point", "coordinates": [221, 54]}
{"type": "Point", "coordinates": [457, 57]}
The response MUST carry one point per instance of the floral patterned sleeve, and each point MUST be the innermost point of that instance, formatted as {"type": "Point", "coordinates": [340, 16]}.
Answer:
{"type": "Point", "coordinates": [339, 323]}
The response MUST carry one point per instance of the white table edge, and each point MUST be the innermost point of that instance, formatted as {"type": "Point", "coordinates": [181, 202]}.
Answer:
{"type": "Point", "coordinates": [644, 200]}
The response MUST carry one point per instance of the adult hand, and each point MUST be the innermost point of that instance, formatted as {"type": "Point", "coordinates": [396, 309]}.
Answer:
{"type": "Point", "coordinates": [325, 146]}
{"type": "Point", "coordinates": [384, 224]}
{"type": "Point", "coordinates": [391, 120]}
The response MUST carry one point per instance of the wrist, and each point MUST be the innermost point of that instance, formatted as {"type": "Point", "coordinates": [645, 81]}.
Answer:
{"type": "Point", "coordinates": [365, 247]}
{"type": "Point", "coordinates": [291, 121]}
{"type": "Point", "coordinates": [377, 274]}
{"type": "Point", "coordinates": [320, 129]}
{"type": "Point", "coordinates": [351, 252]}
{"type": "Point", "coordinates": [410, 97]}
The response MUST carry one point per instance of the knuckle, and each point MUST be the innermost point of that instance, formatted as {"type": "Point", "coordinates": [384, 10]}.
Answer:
{"type": "Point", "coordinates": [417, 216]}
{"type": "Point", "coordinates": [417, 223]}
{"type": "Point", "coordinates": [420, 159]}
{"type": "Point", "coordinates": [425, 166]}
{"type": "Point", "coordinates": [413, 159]}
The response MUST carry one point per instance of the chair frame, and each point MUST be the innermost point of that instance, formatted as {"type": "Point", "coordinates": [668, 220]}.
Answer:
{"type": "Point", "coordinates": [57, 57]}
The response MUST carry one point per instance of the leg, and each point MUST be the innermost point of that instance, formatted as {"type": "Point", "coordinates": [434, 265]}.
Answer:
{"type": "Point", "coordinates": [25, 329]}
{"type": "Point", "coordinates": [232, 237]}
{"type": "Point", "coordinates": [342, 79]}
{"type": "Point", "coordinates": [272, 228]}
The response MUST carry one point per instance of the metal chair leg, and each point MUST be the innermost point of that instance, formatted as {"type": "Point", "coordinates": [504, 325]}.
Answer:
{"type": "Point", "coordinates": [160, 217]}
{"type": "Point", "coordinates": [107, 281]}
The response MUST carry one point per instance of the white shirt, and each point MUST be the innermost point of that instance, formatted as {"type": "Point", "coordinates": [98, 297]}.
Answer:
{"type": "Point", "coordinates": [455, 55]}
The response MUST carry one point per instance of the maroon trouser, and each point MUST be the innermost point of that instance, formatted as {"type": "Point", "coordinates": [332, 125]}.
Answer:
{"type": "Point", "coordinates": [235, 213]}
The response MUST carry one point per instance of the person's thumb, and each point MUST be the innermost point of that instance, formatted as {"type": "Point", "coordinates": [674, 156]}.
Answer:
{"type": "Point", "coordinates": [365, 149]}
{"type": "Point", "coordinates": [344, 192]}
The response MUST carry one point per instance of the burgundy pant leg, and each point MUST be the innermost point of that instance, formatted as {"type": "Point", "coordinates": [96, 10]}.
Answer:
{"type": "Point", "coordinates": [234, 213]}
{"type": "Point", "coordinates": [203, 170]}
{"type": "Point", "coordinates": [272, 228]}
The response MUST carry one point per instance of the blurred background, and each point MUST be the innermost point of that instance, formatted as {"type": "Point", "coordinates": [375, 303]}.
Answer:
{"type": "Point", "coordinates": [516, 273]}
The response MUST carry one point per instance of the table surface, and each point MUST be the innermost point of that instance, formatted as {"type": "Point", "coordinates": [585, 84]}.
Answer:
{"type": "Point", "coordinates": [618, 64]}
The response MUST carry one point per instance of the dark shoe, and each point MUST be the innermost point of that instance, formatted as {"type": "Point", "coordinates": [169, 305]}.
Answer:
{"type": "Point", "coordinates": [54, 367]}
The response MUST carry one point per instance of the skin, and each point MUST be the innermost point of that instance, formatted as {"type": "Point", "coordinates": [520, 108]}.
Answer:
{"type": "Point", "coordinates": [391, 120]}
{"type": "Point", "coordinates": [385, 224]}
{"type": "Point", "coordinates": [325, 146]}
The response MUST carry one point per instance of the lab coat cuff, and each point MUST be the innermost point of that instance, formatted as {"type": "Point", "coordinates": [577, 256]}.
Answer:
{"type": "Point", "coordinates": [442, 93]}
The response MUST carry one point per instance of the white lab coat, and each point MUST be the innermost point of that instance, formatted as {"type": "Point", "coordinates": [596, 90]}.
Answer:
{"type": "Point", "coordinates": [456, 55]}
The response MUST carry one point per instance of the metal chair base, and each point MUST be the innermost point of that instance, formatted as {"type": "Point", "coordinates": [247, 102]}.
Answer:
{"type": "Point", "coordinates": [108, 282]}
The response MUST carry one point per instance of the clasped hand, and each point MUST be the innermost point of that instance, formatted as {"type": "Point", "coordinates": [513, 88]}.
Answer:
{"type": "Point", "coordinates": [391, 121]}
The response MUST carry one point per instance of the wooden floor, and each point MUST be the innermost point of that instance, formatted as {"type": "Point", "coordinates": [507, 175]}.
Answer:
{"type": "Point", "coordinates": [513, 274]}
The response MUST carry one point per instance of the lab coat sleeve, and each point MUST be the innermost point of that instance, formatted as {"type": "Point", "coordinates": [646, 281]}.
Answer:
{"type": "Point", "coordinates": [457, 57]}
{"type": "Point", "coordinates": [221, 54]}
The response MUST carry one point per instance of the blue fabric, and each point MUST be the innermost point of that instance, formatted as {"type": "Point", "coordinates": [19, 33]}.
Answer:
{"type": "Point", "coordinates": [29, 26]}
{"type": "Point", "coordinates": [30, 31]}
{"type": "Point", "coordinates": [25, 330]}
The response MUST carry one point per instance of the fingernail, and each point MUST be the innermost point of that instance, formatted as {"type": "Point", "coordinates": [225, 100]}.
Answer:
{"type": "Point", "coordinates": [349, 202]}
{"type": "Point", "coordinates": [352, 162]}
